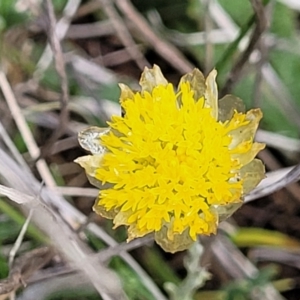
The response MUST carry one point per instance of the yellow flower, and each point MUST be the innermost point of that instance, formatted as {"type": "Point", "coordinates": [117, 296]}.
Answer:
{"type": "Point", "coordinates": [177, 163]}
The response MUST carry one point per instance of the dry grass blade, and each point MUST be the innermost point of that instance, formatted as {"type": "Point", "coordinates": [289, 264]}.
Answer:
{"type": "Point", "coordinates": [164, 49]}
{"type": "Point", "coordinates": [60, 68]}
{"type": "Point", "coordinates": [124, 34]}
{"type": "Point", "coordinates": [12, 148]}
{"type": "Point", "coordinates": [24, 130]}
{"type": "Point", "coordinates": [275, 181]}
{"type": "Point", "coordinates": [238, 266]}
{"type": "Point", "coordinates": [278, 141]}
{"type": "Point", "coordinates": [75, 191]}
{"type": "Point", "coordinates": [23, 267]}
{"type": "Point", "coordinates": [16, 195]}
{"type": "Point", "coordinates": [60, 234]}
{"type": "Point", "coordinates": [87, 68]}
{"type": "Point", "coordinates": [96, 29]}
{"type": "Point", "coordinates": [283, 256]}
{"type": "Point", "coordinates": [69, 213]}
{"type": "Point", "coordinates": [61, 30]}
{"type": "Point", "coordinates": [273, 164]}
{"type": "Point", "coordinates": [44, 289]}
{"type": "Point", "coordinates": [17, 176]}
{"type": "Point", "coordinates": [104, 255]}
{"type": "Point", "coordinates": [146, 279]}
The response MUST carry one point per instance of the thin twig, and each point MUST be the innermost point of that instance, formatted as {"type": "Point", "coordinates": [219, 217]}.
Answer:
{"type": "Point", "coordinates": [260, 27]}
{"type": "Point", "coordinates": [208, 44]}
{"type": "Point", "coordinates": [264, 55]}
{"type": "Point", "coordinates": [24, 129]}
{"type": "Point", "coordinates": [77, 191]}
{"type": "Point", "coordinates": [106, 254]}
{"type": "Point", "coordinates": [102, 256]}
{"type": "Point", "coordinates": [259, 77]}
{"type": "Point", "coordinates": [74, 217]}
{"type": "Point", "coordinates": [165, 50]}
{"type": "Point", "coordinates": [60, 69]}
{"type": "Point", "coordinates": [12, 148]}
{"type": "Point", "coordinates": [17, 245]}
{"type": "Point", "coordinates": [51, 222]}
{"type": "Point", "coordinates": [20, 238]}
{"type": "Point", "coordinates": [90, 30]}
{"type": "Point", "coordinates": [123, 34]}
{"type": "Point", "coordinates": [60, 30]}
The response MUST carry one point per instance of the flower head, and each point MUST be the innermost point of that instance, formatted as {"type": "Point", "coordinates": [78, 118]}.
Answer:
{"type": "Point", "coordinates": [177, 162]}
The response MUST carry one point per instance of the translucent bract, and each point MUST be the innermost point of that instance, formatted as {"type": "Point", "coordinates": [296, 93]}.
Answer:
{"type": "Point", "coordinates": [177, 163]}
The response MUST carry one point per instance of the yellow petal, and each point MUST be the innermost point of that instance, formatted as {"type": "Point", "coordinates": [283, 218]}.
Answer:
{"type": "Point", "coordinates": [197, 83]}
{"type": "Point", "coordinates": [252, 174]}
{"type": "Point", "coordinates": [211, 94]}
{"type": "Point", "coordinates": [90, 139]}
{"type": "Point", "coordinates": [227, 105]}
{"type": "Point", "coordinates": [151, 78]}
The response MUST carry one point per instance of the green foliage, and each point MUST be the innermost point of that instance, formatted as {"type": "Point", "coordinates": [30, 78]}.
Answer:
{"type": "Point", "coordinates": [19, 142]}
{"type": "Point", "coordinates": [59, 5]}
{"type": "Point", "coordinates": [242, 289]}
{"type": "Point", "coordinates": [239, 11]}
{"type": "Point", "coordinates": [94, 242]}
{"type": "Point", "coordinates": [8, 230]}
{"type": "Point", "coordinates": [3, 267]}
{"type": "Point", "coordinates": [52, 80]}
{"type": "Point", "coordinates": [284, 21]}
{"type": "Point", "coordinates": [110, 92]}
{"type": "Point", "coordinates": [252, 237]}
{"type": "Point", "coordinates": [174, 13]}
{"type": "Point", "coordinates": [132, 284]}
{"type": "Point", "coordinates": [157, 267]}
{"type": "Point", "coordinates": [9, 16]}
{"type": "Point", "coordinates": [18, 220]}
{"type": "Point", "coordinates": [287, 65]}
{"type": "Point", "coordinates": [71, 294]}
{"type": "Point", "coordinates": [272, 113]}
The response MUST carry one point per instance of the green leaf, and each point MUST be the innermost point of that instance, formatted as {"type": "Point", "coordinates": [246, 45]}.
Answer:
{"type": "Point", "coordinates": [250, 237]}
{"type": "Point", "coordinates": [8, 14]}
{"type": "Point", "coordinates": [284, 21]}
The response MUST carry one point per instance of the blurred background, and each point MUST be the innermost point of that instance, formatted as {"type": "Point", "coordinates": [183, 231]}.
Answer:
{"type": "Point", "coordinates": [60, 65]}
